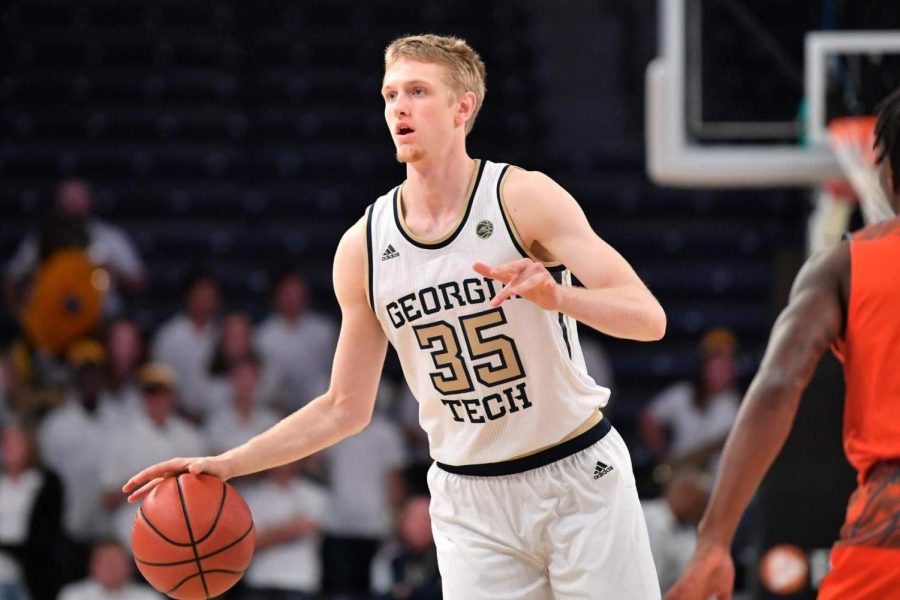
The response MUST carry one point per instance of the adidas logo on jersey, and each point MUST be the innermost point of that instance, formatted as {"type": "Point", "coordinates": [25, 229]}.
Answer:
{"type": "Point", "coordinates": [601, 470]}
{"type": "Point", "coordinates": [389, 253]}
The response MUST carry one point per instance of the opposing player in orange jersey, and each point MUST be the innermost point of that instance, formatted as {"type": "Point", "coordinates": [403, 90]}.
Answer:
{"type": "Point", "coordinates": [846, 298]}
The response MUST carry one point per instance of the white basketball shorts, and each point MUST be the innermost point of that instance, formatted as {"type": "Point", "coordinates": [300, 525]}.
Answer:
{"type": "Point", "coordinates": [569, 529]}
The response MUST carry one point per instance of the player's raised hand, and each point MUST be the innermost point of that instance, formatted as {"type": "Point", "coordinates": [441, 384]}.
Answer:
{"type": "Point", "coordinates": [141, 484]}
{"type": "Point", "coordinates": [710, 574]}
{"type": "Point", "coordinates": [526, 278]}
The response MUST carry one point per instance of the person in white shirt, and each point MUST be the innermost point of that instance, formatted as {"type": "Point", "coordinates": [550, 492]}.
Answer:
{"type": "Point", "coordinates": [121, 397]}
{"type": "Point", "coordinates": [697, 414]}
{"type": "Point", "coordinates": [31, 504]}
{"type": "Point", "coordinates": [242, 418]}
{"type": "Point", "coordinates": [187, 340]}
{"type": "Point", "coordinates": [366, 477]}
{"type": "Point", "coordinates": [296, 343]}
{"type": "Point", "coordinates": [72, 439]}
{"type": "Point", "coordinates": [211, 391]}
{"type": "Point", "coordinates": [110, 578]}
{"type": "Point", "coordinates": [147, 437]}
{"type": "Point", "coordinates": [108, 246]}
{"type": "Point", "coordinates": [672, 523]}
{"type": "Point", "coordinates": [288, 510]}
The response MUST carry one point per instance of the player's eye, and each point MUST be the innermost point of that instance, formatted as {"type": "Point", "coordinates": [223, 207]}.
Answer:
{"type": "Point", "coordinates": [419, 91]}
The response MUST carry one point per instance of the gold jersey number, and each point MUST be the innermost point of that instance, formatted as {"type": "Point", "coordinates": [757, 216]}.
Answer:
{"type": "Point", "coordinates": [441, 339]}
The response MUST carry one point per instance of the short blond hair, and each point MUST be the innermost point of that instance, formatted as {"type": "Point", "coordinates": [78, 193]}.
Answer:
{"type": "Point", "coordinates": [463, 66]}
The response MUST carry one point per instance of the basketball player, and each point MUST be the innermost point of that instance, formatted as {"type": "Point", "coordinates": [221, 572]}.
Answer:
{"type": "Point", "coordinates": [845, 297]}
{"type": "Point", "coordinates": [466, 269]}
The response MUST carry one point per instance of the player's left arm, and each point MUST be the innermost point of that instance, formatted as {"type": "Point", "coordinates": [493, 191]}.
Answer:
{"type": "Point", "coordinates": [614, 300]}
{"type": "Point", "coordinates": [811, 322]}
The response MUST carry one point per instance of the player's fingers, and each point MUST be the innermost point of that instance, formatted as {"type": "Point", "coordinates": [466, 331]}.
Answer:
{"type": "Point", "coordinates": [514, 288]}
{"type": "Point", "coordinates": [174, 465]}
{"type": "Point", "coordinates": [142, 491]}
{"type": "Point", "coordinates": [511, 268]}
{"type": "Point", "coordinates": [492, 272]}
{"type": "Point", "coordinates": [521, 287]}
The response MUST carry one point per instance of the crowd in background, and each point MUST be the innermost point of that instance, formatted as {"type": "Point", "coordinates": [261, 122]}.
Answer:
{"type": "Point", "coordinates": [349, 522]}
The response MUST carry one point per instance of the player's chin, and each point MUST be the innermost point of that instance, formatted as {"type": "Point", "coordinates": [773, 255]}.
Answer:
{"type": "Point", "coordinates": [409, 154]}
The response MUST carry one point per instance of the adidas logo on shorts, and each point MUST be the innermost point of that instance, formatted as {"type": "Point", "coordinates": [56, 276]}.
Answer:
{"type": "Point", "coordinates": [601, 470]}
{"type": "Point", "coordinates": [389, 253]}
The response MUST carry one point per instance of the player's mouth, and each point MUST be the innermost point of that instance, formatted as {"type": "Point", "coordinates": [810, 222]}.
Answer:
{"type": "Point", "coordinates": [403, 132]}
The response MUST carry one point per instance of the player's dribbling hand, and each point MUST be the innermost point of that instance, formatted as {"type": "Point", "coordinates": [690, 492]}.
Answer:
{"type": "Point", "coordinates": [141, 484]}
{"type": "Point", "coordinates": [709, 575]}
{"type": "Point", "coordinates": [526, 278]}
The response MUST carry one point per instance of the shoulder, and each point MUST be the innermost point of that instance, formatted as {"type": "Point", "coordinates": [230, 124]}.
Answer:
{"type": "Point", "coordinates": [877, 231]}
{"type": "Point", "coordinates": [173, 326]}
{"type": "Point", "coordinates": [267, 327]}
{"type": "Point", "coordinates": [826, 272]}
{"type": "Point", "coordinates": [538, 205]}
{"type": "Point", "coordinates": [79, 590]}
{"type": "Point", "coordinates": [680, 391]}
{"type": "Point", "coordinates": [522, 187]}
{"type": "Point", "coordinates": [350, 264]}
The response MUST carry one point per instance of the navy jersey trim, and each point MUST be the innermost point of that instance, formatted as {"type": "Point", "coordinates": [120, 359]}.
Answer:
{"type": "Point", "coordinates": [513, 236]}
{"type": "Point", "coordinates": [565, 333]}
{"type": "Point", "coordinates": [371, 267]}
{"type": "Point", "coordinates": [446, 242]}
{"type": "Point", "coordinates": [535, 461]}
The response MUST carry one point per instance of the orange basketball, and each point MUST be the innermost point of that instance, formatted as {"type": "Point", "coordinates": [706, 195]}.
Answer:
{"type": "Point", "coordinates": [193, 537]}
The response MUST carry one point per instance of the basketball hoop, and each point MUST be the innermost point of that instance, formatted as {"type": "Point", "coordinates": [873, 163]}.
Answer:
{"type": "Point", "coordinates": [852, 140]}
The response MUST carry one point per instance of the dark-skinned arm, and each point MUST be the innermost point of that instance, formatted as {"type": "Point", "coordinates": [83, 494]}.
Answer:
{"type": "Point", "coordinates": [811, 322]}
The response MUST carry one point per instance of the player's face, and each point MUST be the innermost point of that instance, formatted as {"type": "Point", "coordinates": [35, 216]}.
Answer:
{"type": "Point", "coordinates": [418, 107]}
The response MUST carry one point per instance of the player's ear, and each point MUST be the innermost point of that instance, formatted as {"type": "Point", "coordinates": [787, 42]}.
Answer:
{"type": "Point", "coordinates": [466, 107]}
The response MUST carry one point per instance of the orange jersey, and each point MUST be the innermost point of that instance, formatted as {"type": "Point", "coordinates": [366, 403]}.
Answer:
{"type": "Point", "coordinates": [870, 351]}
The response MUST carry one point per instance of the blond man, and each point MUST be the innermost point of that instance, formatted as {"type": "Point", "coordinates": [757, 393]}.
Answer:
{"type": "Point", "coordinates": [466, 269]}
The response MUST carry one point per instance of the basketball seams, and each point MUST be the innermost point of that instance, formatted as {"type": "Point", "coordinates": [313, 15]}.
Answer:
{"type": "Point", "coordinates": [204, 557]}
{"type": "Point", "coordinates": [211, 571]}
{"type": "Point", "coordinates": [187, 521]}
{"type": "Point", "coordinates": [218, 515]}
{"type": "Point", "coordinates": [160, 533]}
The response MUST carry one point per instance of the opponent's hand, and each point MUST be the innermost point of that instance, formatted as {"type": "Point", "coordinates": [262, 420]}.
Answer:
{"type": "Point", "coordinates": [710, 574]}
{"type": "Point", "coordinates": [140, 485]}
{"type": "Point", "coordinates": [526, 278]}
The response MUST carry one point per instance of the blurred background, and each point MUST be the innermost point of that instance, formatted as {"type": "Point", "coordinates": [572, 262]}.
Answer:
{"type": "Point", "coordinates": [175, 177]}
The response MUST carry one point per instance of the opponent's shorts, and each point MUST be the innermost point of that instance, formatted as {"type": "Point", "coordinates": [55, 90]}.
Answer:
{"type": "Point", "coordinates": [865, 562]}
{"type": "Point", "coordinates": [569, 529]}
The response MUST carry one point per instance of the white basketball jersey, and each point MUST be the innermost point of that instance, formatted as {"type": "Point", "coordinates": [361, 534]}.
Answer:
{"type": "Point", "coordinates": [492, 383]}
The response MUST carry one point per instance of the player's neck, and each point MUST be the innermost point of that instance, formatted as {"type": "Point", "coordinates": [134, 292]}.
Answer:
{"type": "Point", "coordinates": [434, 187]}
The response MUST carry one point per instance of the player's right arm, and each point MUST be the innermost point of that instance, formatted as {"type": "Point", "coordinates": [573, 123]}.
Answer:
{"type": "Point", "coordinates": [812, 321]}
{"type": "Point", "coordinates": [345, 409]}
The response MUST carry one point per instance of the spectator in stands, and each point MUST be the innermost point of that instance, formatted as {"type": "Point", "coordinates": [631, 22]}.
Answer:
{"type": "Point", "coordinates": [107, 245]}
{"type": "Point", "coordinates": [125, 349]}
{"type": "Point", "coordinates": [187, 340]}
{"type": "Point", "coordinates": [242, 418]}
{"type": "Point", "coordinates": [672, 523]}
{"type": "Point", "coordinates": [409, 563]}
{"type": "Point", "coordinates": [31, 506]}
{"type": "Point", "coordinates": [288, 512]}
{"type": "Point", "coordinates": [73, 443]}
{"type": "Point", "coordinates": [148, 437]}
{"type": "Point", "coordinates": [365, 474]}
{"type": "Point", "coordinates": [296, 342]}
{"type": "Point", "coordinates": [211, 392]}
{"type": "Point", "coordinates": [698, 414]}
{"type": "Point", "coordinates": [110, 577]}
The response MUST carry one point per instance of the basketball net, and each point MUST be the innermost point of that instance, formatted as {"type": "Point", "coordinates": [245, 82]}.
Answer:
{"type": "Point", "coordinates": [852, 140]}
